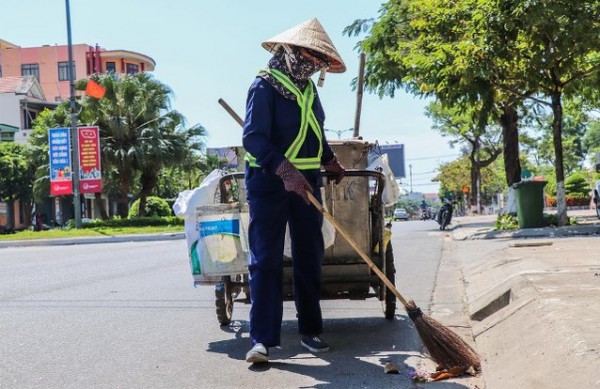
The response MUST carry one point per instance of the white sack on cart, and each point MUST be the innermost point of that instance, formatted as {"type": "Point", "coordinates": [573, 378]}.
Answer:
{"type": "Point", "coordinates": [391, 191]}
{"type": "Point", "coordinates": [187, 201]}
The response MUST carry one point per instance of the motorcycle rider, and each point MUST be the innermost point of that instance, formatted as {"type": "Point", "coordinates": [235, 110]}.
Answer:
{"type": "Point", "coordinates": [424, 212]}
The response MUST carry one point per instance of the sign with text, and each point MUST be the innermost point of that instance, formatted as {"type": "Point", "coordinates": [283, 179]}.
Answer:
{"type": "Point", "coordinates": [395, 154]}
{"type": "Point", "coordinates": [90, 174]}
{"type": "Point", "coordinates": [61, 179]}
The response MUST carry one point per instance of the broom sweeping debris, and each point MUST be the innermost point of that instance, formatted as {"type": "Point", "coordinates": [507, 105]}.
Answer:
{"type": "Point", "coordinates": [446, 348]}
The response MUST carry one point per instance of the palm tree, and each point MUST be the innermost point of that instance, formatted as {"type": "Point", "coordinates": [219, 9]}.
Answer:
{"type": "Point", "coordinates": [127, 116]}
{"type": "Point", "coordinates": [138, 131]}
{"type": "Point", "coordinates": [166, 144]}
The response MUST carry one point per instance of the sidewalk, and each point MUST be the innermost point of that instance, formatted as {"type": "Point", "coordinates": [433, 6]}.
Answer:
{"type": "Point", "coordinates": [482, 227]}
{"type": "Point", "coordinates": [532, 303]}
{"type": "Point", "coordinates": [92, 240]}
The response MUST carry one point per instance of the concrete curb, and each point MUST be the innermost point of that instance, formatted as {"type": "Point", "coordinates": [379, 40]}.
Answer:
{"type": "Point", "coordinates": [465, 232]}
{"type": "Point", "coordinates": [92, 240]}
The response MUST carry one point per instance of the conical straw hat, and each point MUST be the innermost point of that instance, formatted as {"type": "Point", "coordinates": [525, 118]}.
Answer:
{"type": "Point", "coordinates": [311, 35]}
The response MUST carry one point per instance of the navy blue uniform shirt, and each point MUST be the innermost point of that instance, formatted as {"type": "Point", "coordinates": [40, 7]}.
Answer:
{"type": "Point", "coordinates": [272, 123]}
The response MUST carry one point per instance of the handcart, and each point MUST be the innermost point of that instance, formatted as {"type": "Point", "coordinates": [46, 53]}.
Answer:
{"type": "Point", "coordinates": [356, 203]}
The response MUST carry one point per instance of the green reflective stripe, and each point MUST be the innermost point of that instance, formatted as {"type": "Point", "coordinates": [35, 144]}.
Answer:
{"type": "Point", "coordinates": [251, 160]}
{"type": "Point", "coordinates": [307, 119]}
{"type": "Point", "coordinates": [285, 80]}
{"type": "Point", "coordinates": [294, 148]}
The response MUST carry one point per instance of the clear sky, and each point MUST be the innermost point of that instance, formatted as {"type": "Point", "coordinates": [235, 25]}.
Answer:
{"type": "Point", "coordinates": [206, 50]}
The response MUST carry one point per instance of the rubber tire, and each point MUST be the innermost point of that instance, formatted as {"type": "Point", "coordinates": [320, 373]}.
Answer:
{"type": "Point", "coordinates": [444, 220]}
{"type": "Point", "coordinates": [390, 272]}
{"type": "Point", "coordinates": [598, 209]}
{"type": "Point", "coordinates": [224, 301]}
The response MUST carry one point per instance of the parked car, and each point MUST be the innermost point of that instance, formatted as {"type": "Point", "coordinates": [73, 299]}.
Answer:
{"type": "Point", "coordinates": [400, 214]}
{"type": "Point", "coordinates": [597, 198]}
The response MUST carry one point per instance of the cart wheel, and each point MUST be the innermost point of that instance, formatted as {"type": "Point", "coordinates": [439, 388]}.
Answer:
{"type": "Point", "coordinates": [390, 272]}
{"type": "Point", "coordinates": [224, 301]}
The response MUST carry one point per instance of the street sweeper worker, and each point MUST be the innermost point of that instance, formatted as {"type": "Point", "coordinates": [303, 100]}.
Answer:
{"type": "Point", "coordinates": [285, 149]}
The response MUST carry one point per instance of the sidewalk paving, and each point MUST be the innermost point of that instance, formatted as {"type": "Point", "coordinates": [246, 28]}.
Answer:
{"type": "Point", "coordinates": [482, 227]}
{"type": "Point", "coordinates": [92, 239]}
{"type": "Point", "coordinates": [532, 299]}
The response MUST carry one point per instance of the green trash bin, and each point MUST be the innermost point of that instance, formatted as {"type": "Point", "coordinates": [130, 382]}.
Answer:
{"type": "Point", "coordinates": [530, 203]}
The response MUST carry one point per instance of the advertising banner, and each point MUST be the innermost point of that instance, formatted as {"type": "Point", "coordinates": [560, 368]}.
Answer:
{"type": "Point", "coordinates": [90, 178]}
{"type": "Point", "coordinates": [395, 154]}
{"type": "Point", "coordinates": [61, 179]}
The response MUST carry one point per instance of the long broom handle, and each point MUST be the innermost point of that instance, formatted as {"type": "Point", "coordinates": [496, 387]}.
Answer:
{"type": "Point", "coordinates": [358, 250]}
{"type": "Point", "coordinates": [233, 114]}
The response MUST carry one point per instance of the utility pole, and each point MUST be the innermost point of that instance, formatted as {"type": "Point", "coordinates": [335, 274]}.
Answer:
{"type": "Point", "coordinates": [359, 95]}
{"type": "Point", "coordinates": [73, 132]}
{"type": "Point", "coordinates": [410, 175]}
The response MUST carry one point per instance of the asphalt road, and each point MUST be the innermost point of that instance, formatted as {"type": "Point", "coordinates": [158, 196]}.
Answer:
{"type": "Point", "coordinates": [125, 315]}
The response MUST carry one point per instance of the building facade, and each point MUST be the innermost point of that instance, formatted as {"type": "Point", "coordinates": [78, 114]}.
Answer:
{"type": "Point", "coordinates": [50, 64]}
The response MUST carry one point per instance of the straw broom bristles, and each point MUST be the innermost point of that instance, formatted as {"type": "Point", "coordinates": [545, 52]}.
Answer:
{"type": "Point", "coordinates": [445, 347]}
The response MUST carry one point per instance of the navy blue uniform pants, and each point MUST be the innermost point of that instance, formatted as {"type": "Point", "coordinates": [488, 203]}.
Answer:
{"type": "Point", "coordinates": [271, 209]}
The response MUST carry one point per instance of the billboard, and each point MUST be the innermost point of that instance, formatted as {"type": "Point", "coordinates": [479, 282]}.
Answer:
{"type": "Point", "coordinates": [90, 172]}
{"type": "Point", "coordinates": [61, 180]}
{"type": "Point", "coordinates": [395, 154]}
{"type": "Point", "coordinates": [227, 156]}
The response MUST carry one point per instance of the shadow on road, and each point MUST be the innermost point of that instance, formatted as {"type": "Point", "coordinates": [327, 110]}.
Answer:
{"type": "Point", "coordinates": [360, 347]}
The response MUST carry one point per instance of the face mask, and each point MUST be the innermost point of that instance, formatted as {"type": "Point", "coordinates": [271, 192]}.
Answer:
{"type": "Point", "coordinates": [300, 67]}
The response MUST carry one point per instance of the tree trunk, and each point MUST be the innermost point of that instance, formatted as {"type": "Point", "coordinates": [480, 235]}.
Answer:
{"type": "Point", "coordinates": [123, 204]}
{"type": "Point", "coordinates": [10, 215]}
{"type": "Point", "coordinates": [474, 183]}
{"type": "Point", "coordinates": [510, 140]}
{"type": "Point", "coordinates": [148, 181]}
{"type": "Point", "coordinates": [100, 205]}
{"type": "Point", "coordinates": [561, 199]}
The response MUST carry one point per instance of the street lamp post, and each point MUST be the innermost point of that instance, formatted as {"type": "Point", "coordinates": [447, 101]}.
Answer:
{"type": "Point", "coordinates": [73, 132]}
{"type": "Point", "coordinates": [339, 132]}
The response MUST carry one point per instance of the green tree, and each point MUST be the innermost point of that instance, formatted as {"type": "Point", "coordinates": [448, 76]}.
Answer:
{"type": "Point", "coordinates": [499, 52]}
{"type": "Point", "coordinates": [555, 48]}
{"type": "Point", "coordinates": [442, 49]}
{"type": "Point", "coordinates": [155, 206]}
{"type": "Point", "coordinates": [166, 146]}
{"type": "Point", "coordinates": [16, 178]}
{"type": "Point", "coordinates": [577, 184]}
{"type": "Point", "coordinates": [483, 143]}
{"type": "Point", "coordinates": [139, 131]}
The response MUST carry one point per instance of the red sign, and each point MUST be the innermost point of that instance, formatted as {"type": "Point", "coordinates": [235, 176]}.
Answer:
{"type": "Point", "coordinates": [90, 173]}
{"type": "Point", "coordinates": [59, 188]}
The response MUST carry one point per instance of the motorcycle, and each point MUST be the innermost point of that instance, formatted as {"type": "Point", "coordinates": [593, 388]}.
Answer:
{"type": "Point", "coordinates": [444, 214]}
{"type": "Point", "coordinates": [425, 214]}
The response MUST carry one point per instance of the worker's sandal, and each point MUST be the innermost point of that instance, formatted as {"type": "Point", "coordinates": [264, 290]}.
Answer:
{"type": "Point", "coordinates": [314, 344]}
{"type": "Point", "coordinates": [258, 354]}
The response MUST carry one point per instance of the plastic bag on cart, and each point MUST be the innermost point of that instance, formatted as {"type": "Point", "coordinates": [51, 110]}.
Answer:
{"type": "Point", "coordinates": [328, 231]}
{"type": "Point", "coordinates": [391, 191]}
{"type": "Point", "coordinates": [186, 203]}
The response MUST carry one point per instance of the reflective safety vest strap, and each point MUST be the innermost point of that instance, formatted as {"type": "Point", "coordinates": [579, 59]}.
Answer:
{"type": "Point", "coordinates": [305, 101]}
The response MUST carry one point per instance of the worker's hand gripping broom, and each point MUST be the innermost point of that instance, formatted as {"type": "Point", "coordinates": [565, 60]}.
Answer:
{"type": "Point", "coordinates": [446, 348]}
